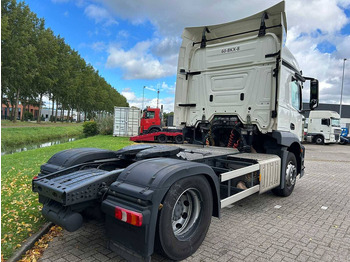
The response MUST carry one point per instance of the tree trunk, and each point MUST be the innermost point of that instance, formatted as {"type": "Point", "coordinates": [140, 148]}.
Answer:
{"type": "Point", "coordinates": [68, 114]}
{"type": "Point", "coordinates": [62, 113]}
{"type": "Point", "coordinates": [40, 105]}
{"type": "Point", "coordinates": [16, 107]}
{"type": "Point", "coordinates": [52, 110]}
{"type": "Point", "coordinates": [7, 111]}
{"type": "Point", "coordinates": [24, 110]}
{"type": "Point", "coordinates": [56, 111]}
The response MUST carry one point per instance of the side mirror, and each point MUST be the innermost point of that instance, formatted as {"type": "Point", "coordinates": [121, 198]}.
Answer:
{"type": "Point", "coordinates": [313, 94]}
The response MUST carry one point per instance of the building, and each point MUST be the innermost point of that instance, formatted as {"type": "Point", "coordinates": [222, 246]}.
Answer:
{"type": "Point", "coordinates": [46, 113]}
{"type": "Point", "coordinates": [6, 111]}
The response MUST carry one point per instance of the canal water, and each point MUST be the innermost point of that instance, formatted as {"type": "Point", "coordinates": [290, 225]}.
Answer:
{"type": "Point", "coordinates": [9, 150]}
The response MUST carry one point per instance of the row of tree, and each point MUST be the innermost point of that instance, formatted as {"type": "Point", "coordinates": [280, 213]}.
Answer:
{"type": "Point", "coordinates": [36, 63]}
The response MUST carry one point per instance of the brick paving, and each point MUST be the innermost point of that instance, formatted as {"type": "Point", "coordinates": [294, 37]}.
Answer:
{"type": "Point", "coordinates": [313, 224]}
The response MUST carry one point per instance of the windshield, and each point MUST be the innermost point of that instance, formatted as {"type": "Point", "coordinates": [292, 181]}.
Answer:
{"type": "Point", "coordinates": [335, 122]}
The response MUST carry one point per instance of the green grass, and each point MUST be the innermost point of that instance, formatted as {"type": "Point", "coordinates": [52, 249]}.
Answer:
{"type": "Point", "coordinates": [13, 137]}
{"type": "Point", "coordinates": [20, 209]}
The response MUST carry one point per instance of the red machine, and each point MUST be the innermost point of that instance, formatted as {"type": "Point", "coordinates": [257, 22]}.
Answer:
{"type": "Point", "coordinates": [151, 121]}
{"type": "Point", "coordinates": [151, 129]}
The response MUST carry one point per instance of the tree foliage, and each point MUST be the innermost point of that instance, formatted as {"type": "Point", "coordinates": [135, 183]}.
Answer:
{"type": "Point", "coordinates": [36, 63]}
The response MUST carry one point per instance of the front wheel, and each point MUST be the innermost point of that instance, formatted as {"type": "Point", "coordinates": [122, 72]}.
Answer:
{"type": "Point", "coordinates": [290, 175]}
{"type": "Point", "coordinates": [319, 140]}
{"type": "Point", "coordinates": [185, 217]}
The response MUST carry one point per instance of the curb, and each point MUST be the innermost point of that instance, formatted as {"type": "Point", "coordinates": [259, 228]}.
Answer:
{"type": "Point", "coordinates": [29, 243]}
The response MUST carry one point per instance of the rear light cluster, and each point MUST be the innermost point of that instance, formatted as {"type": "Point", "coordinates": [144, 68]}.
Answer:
{"type": "Point", "coordinates": [128, 216]}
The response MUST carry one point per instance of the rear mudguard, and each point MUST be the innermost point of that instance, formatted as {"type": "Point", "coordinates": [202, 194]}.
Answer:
{"type": "Point", "coordinates": [141, 187]}
{"type": "Point", "coordinates": [72, 157]}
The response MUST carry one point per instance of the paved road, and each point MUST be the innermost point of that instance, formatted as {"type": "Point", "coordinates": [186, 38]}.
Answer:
{"type": "Point", "coordinates": [313, 224]}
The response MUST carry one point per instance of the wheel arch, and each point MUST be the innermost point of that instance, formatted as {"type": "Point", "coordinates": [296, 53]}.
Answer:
{"type": "Point", "coordinates": [296, 149]}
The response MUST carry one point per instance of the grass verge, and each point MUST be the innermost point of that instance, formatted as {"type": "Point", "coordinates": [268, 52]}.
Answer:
{"type": "Point", "coordinates": [20, 209]}
{"type": "Point", "coordinates": [12, 137]}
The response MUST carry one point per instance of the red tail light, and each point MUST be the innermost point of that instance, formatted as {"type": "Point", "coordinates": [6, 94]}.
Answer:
{"type": "Point", "coordinates": [128, 216]}
{"type": "Point", "coordinates": [35, 177]}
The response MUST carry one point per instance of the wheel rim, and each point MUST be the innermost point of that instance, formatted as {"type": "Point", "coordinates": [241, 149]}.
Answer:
{"type": "Point", "coordinates": [291, 174]}
{"type": "Point", "coordinates": [186, 212]}
{"type": "Point", "coordinates": [319, 140]}
{"type": "Point", "coordinates": [162, 138]}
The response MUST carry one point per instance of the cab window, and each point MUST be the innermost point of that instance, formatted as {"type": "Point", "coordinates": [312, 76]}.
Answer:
{"type": "Point", "coordinates": [150, 114]}
{"type": "Point", "coordinates": [295, 95]}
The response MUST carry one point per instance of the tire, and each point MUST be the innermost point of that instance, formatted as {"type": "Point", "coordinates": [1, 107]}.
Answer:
{"type": "Point", "coordinates": [179, 139]}
{"type": "Point", "coordinates": [319, 140]}
{"type": "Point", "coordinates": [162, 138]}
{"type": "Point", "coordinates": [184, 220]}
{"type": "Point", "coordinates": [290, 175]}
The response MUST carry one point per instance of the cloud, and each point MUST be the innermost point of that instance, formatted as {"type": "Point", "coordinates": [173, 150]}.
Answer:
{"type": "Point", "coordinates": [170, 17]}
{"type": "Point", "coordinates": [133, 100]}
{"type": "Point", "coordinates": [123, 34]}
{"type": "Point", "coordinates": [138, 62]}
{"type": "Point", "coordinates": [150, 88]}
{"type": "Point", "coordinates": [129, 95]}
{"type": "Point", "coordinates": [100, 15]}
{"type": "Point", "coordinates": [169, 89]}
{"type": "Point", "coordinates": [98, 46]}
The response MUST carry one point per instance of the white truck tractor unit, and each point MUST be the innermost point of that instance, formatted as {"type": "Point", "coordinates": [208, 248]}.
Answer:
{"type": "Point", "coordinates": [323, 127]}
{"type": "Point", "coordinates": [238, 102]}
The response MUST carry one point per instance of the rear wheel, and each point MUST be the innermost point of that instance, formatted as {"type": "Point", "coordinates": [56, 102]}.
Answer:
{"type": "Point", "coordinates": [319, 140]}
{"type": "Point", "coordinates": [162, 138]}
{"type": "Point", "coordinates": [290, 176]}
{"type": "Point", "coordinates": [185, 217]}
{"type": "Point", "coordinates": [179, 139]}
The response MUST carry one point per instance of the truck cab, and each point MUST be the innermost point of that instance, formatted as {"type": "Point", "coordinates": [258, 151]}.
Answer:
{"type": "Point", "coordinates": [324, 127]}
{"type": "Point", "coordinates": [151, 120]}
{"type": "Point", "coordinates": [238, 84]}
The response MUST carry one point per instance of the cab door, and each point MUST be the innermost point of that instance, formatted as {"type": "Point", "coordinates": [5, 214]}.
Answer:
{"type": "Point", "coordinates": [295, 105]}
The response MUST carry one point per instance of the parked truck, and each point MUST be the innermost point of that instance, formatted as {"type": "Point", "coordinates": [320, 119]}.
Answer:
{"type": "Point", "coordinates": [152, 129]}
{"type": "Point", "coordinates": [323, 127]}
{"type": "Point", "coordinates": [238, 100]}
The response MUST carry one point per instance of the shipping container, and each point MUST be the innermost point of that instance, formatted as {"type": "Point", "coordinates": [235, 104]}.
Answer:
{"type": "Point", "coordinates": [126, 121]}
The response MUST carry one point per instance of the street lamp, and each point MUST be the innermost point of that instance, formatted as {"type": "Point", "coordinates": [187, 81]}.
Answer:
{"type": "Point", "coordinates": [143, 96]}
{"type": "Point", "coordinates": [342, 87]}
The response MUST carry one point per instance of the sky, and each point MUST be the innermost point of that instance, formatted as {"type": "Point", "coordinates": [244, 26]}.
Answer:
{"type": "Point", "coordinates": [135, 43]}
